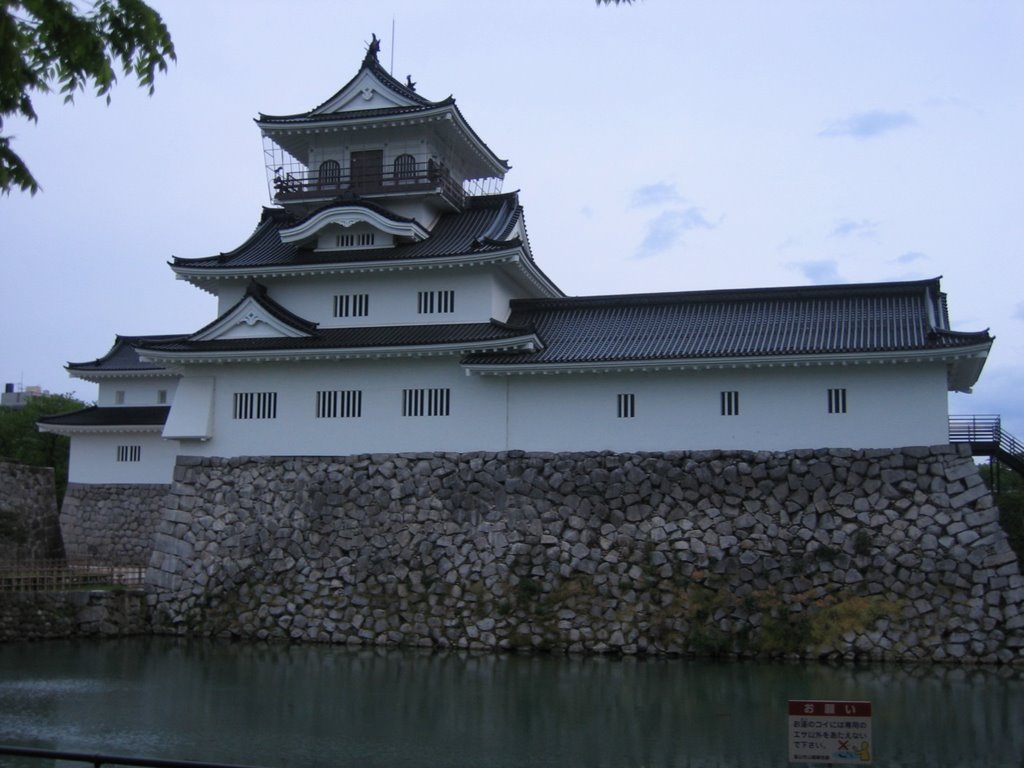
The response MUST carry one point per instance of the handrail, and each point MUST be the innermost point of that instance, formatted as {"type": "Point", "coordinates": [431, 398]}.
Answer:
{"type": "Point", "coordinates": [413, 177]}
{"type": "Point", "coordinates": [98, 759]}
{"type": "Point", "coordinates": [986, 435]}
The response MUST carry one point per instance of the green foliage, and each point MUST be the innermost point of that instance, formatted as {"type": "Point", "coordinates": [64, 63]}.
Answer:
{"type": "Point", "coordinates": [1011, 516]}
{"type": "Point", "coordinates": [53, 44]}
{"type": "Point", "coordinates": [862, 543]}
{"type": "Point", "coordinates": [1010, 500]}
{"type": "Point", "coordinates": [22, 443]}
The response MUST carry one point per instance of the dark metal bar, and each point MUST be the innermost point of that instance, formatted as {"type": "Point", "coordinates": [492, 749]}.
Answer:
{"type": "Point", "coordinates": [98, 759]}
{"type": "Point", "coordinates": [986, 436]}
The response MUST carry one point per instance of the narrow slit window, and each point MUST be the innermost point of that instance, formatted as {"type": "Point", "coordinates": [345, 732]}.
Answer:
{"type": "Point", "coordinates": [434, 401]}
{"type": "Point", "coordinates": [837, 400]}
{"type": "Point", "coordinates": [435, 302]}
{"type": "Point", "coordinates": [255, 405]}
{"type": "Point", "coordinates": [129, 453]}
{"type": "Point", "coordinates": [355, 239]}
{"type": "Point", "coordinates": [731, 403]}
{"type": "Point", "coordinates": [339, 404]}
{"type": "Point", "coordinates": [352, 305]}
{"type": "Point", "coordinates": [627, 405]}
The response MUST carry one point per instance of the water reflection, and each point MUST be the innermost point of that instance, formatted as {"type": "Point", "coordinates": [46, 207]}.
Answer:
{"type": "Point", "coordinates": [278, 705]}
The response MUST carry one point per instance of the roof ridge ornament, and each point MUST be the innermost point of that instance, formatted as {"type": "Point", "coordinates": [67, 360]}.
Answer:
{"type": "Point", "coordinates": [371, 51]}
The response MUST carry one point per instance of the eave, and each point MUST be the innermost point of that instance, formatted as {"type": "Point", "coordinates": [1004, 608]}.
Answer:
{"type": "Point", "coordinates": [97, 377]}
{"type": "Point", "coordinates": [446, 113]}
{"type": "Point", "coordinates": [514, 256]}
{"type": "Point", "coordinates": [69, 430]}
{"type": "Point", "coordinates": [948, 357]}
{"type": "Point", "coordinates": [527, 343]}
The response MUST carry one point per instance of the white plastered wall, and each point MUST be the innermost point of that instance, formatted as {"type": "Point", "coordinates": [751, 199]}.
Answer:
{"type": "Point", "coordinates": [780, 409]}
{"type": "Point", "coordinates": [476, 420]}
{"type": "Point", "coordinates": [392, 297]}
{"type": "Point", "coordinates": [137, 391]}
{"type": "Point", "coordinates": [94, 458]}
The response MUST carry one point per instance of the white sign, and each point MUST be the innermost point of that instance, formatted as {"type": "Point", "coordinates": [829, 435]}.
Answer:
{"type": "Point", "coordinates": [836, 732]}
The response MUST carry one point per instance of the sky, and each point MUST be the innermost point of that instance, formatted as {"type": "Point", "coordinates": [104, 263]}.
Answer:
{"type": "Point", "coordinates": [658, 146]}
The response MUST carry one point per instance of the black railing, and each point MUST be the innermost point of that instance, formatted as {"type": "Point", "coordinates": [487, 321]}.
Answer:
{"type": "Point", "coordinates": [986, 436]}
{"type": "Point", "coordinates": [412, 177]}
{"type": "Point", "coordinates": [98, 760]}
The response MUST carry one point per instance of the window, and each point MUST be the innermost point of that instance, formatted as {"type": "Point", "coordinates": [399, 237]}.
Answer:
{"type": "Point", "coordinates": [161, 396]}
{"type": "Point", "coordinates": [627, 406]}
{"type": "Point", "coordinates": [435, 302]}
{"type": "Point", "coordinates": [255, 405]}
{"type": "Point", "coordinates": [426, 402]}
{"type": "Point", "coordinates": [405, 167]}
{"type": "Point", "coordinates": [352, 305]}
{"type": "Point", "coordinates": [330, 173]}
{"type": "Point", "coordinates": [129, 453]}
{"type": "Point", "coordinates": [837, 401]}
{"type": "Point", "coordinates": [119, 397]}
{"type": "Point", "coordinates": [339, 404]}
{"type": "Point", "coordinates": [355, 240]}
{"type": "Point", "coordinates": [730, 403]}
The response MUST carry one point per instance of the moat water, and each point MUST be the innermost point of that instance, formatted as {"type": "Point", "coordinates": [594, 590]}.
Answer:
{"type": "Point", "coordinates": [279, 705]}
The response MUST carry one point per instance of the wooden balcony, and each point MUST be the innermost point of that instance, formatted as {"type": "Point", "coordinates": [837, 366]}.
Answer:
{"type": "Point", "coordinates": [332, 181]}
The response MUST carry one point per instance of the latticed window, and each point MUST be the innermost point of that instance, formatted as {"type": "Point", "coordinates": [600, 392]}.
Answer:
{"type": "Point", "coordinates": [405, 167]}
{"type": "Point", "coordinates": [339, 404]}
{"type": "Point", "coordinates": [837, 401]}
{"type": "Point", "coordinates": [731, 403]}
{"type": "Point", "coordinates": [435, 302]}
{"type": "Point", "coordinates": [426, 402]}
{"type": "Point", "coordinates": [352, 305]}
{"type": "Point", "coordinates": [627, 406]}
{"type": "Point", "coordinates": [255, 405]}
{"type": "Point", "coordinates": [330, 173]}
{"type": "Point", "coordinates": [129, 453]}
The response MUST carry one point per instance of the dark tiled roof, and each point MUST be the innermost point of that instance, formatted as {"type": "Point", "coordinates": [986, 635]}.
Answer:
{"type": "Point", "coordinates": [388, 81]}
{"type": "Point", "coordinates": [420, 105]}
{"type": "Point", "coordinates": [380, 337]}
{"type": "Point", "coordinates": [883, 317]}
{"type": "Point", "coordinates": [258, 292]}
{"type": "Point", "coordinates": [122, 416]}
{"type": "Point", "coordinates": [123, 357]}
{"type": "Point", "coordinates": [484, 226]}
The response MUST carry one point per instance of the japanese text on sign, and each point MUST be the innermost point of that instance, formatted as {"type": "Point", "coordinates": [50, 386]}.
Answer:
{"type": "Point", "coordinates": [830, 732]}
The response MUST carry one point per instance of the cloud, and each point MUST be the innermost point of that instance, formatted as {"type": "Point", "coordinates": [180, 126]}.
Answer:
{"type": "Point", "coordinates": [819, 272]}
{"type": "Point", "coordinates": [668, 229]}
{"type": "Point", "coordinates": [867, 125]}
{"type": "Point", "coordinates": [863, 229]}
{"type": "Point", "coordinates": [910, 257]}
{"type": "Point", "coordinates": [1019, 313]}
{"type": "Point", "coordinates": [655, 194]}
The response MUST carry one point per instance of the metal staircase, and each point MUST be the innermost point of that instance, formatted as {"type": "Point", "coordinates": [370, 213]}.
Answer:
{"type": "Point", "coordinates": [986, 436]}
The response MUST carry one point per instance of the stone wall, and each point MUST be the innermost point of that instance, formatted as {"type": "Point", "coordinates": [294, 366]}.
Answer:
{"type": "Point", "coordinates": [894, 554]}
{"type": "Point", "coordinates": [50, 615]}
{"type": "Point", "coordinates": [29, 529]}
{"type": "Point", "coordinates": [111, 523]}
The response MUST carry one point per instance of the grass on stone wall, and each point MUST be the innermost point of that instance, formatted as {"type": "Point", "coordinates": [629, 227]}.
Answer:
{"type": "Point", "coordinates": [1010, 500]}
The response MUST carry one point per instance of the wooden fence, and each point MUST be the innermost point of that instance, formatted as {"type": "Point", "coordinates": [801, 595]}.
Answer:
{"type": "Point", "coordinates": [64, 576]}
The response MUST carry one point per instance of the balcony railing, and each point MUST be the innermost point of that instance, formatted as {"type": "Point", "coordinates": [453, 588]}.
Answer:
{"type": "Point", "coordinates": [427, 176]}
{"type": "Point", "coordinates": [986, 436]}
